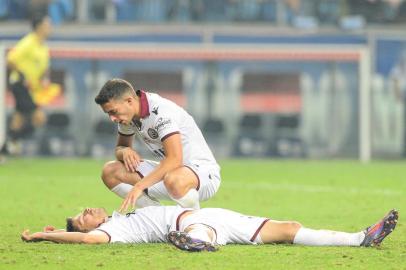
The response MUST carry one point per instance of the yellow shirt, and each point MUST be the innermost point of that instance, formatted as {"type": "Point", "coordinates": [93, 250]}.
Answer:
{"type": "Point", "coordinates": [31, 57]}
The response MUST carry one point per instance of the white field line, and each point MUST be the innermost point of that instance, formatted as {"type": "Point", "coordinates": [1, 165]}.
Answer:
{"type": "Point", "coordinates": [310, 188]}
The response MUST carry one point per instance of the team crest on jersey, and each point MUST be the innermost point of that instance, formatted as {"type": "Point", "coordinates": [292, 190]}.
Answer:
{"type": "Point", "coordinates": [152, 133]}
{"type": "Point", "coordinates": [162, 123]}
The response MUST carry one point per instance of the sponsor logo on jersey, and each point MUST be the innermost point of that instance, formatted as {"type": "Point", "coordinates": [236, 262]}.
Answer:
{"type": "Point", "coordinates": [152, 133]}
{"type": "Point", "coordinates": [155, 110]}
{"type": "Point", "coordinates": [162, 123]}
{"type": "Point", "coordinates": [148, 140]}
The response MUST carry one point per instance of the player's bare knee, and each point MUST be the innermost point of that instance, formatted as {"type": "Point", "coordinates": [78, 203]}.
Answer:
{"type": "Point", "coordinates": [173, 185]}
{"type": "Point", "coordinates": [108, 173]}
{"type": "Point", "coordinates": [292, 228]}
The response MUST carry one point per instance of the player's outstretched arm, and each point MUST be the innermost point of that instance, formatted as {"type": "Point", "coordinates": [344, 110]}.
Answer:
{"type": "Point", "coordinates": [52, 229]}
{"type": "Point", "coordinates": [66, 237]}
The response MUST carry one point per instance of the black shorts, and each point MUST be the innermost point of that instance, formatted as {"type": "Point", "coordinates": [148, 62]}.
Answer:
{"type": "Point", "coordinates": [23, 99]}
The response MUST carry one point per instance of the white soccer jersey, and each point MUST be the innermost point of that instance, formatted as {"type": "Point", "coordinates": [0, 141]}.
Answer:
{"type": "Point", "coordinates": [161, 118]}
{"type": "Point", "coordinates": [144, 225]}
{"type": "Point", "coordinates": [152, 224]}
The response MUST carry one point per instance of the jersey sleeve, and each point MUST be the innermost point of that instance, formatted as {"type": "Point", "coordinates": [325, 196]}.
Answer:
{"type": "Point", "coordinates": [114, 235]}
{"type": "Point", "coordinates": [165, 126]}
{"type": "Point", "coordinates": [126, 130]}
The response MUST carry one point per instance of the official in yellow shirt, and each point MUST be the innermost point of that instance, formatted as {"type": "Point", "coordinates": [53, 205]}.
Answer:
{"type": "Point", "coordinates": [28, 64]}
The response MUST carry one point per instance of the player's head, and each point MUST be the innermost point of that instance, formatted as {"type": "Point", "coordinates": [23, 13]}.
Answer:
{"type": "Point", "coordinates": [86, 221]}
{"type": "Point", "coordinates": [41, 24]}
{"type": "Point", "coordinates": [119, 100]}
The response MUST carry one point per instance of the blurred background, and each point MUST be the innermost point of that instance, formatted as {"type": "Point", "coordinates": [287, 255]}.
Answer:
{"type": "Point", "coordinates": [262, 78]}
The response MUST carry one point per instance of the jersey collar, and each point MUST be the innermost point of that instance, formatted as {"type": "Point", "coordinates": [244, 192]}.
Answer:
{"type": "Point", "coordinates": [144, 105]}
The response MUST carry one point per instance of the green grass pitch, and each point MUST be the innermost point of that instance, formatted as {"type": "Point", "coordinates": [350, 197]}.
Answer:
{"type": "Point", "coordinates": [340, 195]}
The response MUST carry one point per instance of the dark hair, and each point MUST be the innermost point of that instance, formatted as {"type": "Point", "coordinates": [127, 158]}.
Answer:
{"type": "Point", "coordinates": [37, 19]}
{"type": "Point", "coordinates": [113, 89]}
{"type": "Point", "coordinates": [69, 226]}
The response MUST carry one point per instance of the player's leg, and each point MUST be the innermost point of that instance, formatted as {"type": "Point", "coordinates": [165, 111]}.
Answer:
{"type": "Point", "coordinates": [120, 181]}
{"type": "Point", "coordinates": [274, 231]}
{"type": "Point", "coordinates": [114, 173]}
{"type": "Point", "coordinates": [20, 125]}
{"type": "Point", "coordinates": [182, 185]}
{"type": "Point", "coordinates": [192, 183]}
{"type": "Point", "coordinates": [293, 232]}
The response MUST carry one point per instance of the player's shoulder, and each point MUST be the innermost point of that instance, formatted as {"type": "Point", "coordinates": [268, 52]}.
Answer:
{"type": "Point", "coordinates": [159, 107]}
{"type": "Point", "coordinates": [25, 42]}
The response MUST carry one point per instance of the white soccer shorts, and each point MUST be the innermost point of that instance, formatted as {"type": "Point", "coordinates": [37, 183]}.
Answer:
{"type": "Point", "coordinates": [209, 180]}
{"type": "Point", "coordinates": [230, 227]}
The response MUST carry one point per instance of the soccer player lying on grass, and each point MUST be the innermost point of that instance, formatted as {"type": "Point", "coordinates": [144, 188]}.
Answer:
{"type": "Point", "coordinates": [204, 229]}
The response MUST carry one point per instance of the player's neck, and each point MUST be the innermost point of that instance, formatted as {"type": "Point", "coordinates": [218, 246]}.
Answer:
{"type": "Point", "coordinates": [40, 37]}
{"type": "Point", "coordinates": [137, 109]}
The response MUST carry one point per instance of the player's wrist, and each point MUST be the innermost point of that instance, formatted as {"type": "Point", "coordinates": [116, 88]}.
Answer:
{"type": "Point", "coordinates": [139, 186]}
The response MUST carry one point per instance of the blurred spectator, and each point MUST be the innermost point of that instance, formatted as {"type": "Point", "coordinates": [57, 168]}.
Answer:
{"type": "Point", "coordinates": [213, 10]}
{"type": "Point", "coordinates": [18, 9]}
{"type": "Point", "coordinates": [197, 10]}
{"type": "Point", "coordinates": [301, 13]}
{"type": "Point", "coordinates": [126, 10]}
{"type": "Point", "coordinates": [180, 11]}
{"type": "Point", "coordinates": [375, 11]}
{"type": "Point", "coordinates": [28, 63]}
{"type": "Point", "coordinates": [269, 10]}
{"type": "Point", "coordinates": [152, 10]}
{"type": "Point", "coordinates": [401, 12]}
{"type": "Point", "coordinates": [155, 11]}
{"type": "Point", "coordinates": [4, 9]}
{"type": "Point", "coordinates": [249, 10]}
{"type": "Point", "coordinates": [61, 10]}
{"type": "Point", "coordinates": [38, 7]}
{"type": "Point", "coordinates": [97, 10]}
{"type": "Point", "coordinates": [330, 11]}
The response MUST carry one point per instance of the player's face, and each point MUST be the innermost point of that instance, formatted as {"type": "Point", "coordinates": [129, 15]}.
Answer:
{"type": "Point", "coordinates": [120, 110]}
{"type": "Point", "coordinates": [90, 219]}
{"type": "Point", "coordinates": [46, 27]}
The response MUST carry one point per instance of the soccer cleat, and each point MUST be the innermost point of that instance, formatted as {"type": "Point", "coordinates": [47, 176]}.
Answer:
{"type": "Point", "coordinates": [183, 241]}
{"type": "Point", "coordinates": [375, 234]}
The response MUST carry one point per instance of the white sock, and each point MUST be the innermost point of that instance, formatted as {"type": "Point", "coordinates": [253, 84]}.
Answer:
{"type": "Point", "coordinates": [311, 237]}
{"type": "Point", "coordinates": [202, 232]}
{"type": "Point", "coordinates": [190, 200]}
{"type": "Point", "coordinates": [144, 200]}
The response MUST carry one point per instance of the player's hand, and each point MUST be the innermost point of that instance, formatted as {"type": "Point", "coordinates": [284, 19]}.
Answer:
{"type": "Point", "coordinates": [48, 228]}
{"type": "Point", "coordinates": [129, 201]}
{"type": "Point", "coordinates": [27, 237]}
{"type": "Point", "coordinates": [131, 159]}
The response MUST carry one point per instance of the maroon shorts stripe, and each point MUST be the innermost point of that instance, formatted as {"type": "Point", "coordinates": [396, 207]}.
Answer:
{"type": "Point", "coordinates": [140, 174]}
{"type": "Point", "coordinates": [105, 233]}
{"type": "Point", "coordinates": [168, 135]}
{"type": "Point", "coordinates": [258, 230]}
{"type": "Point", "coordinates": [198, 179]}
{"type": "Point", "coordinates": [178, 219]}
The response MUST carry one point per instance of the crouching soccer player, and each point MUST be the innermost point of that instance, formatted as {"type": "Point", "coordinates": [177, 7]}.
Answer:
{"type": "Point", "coordinates": [204, 229]}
